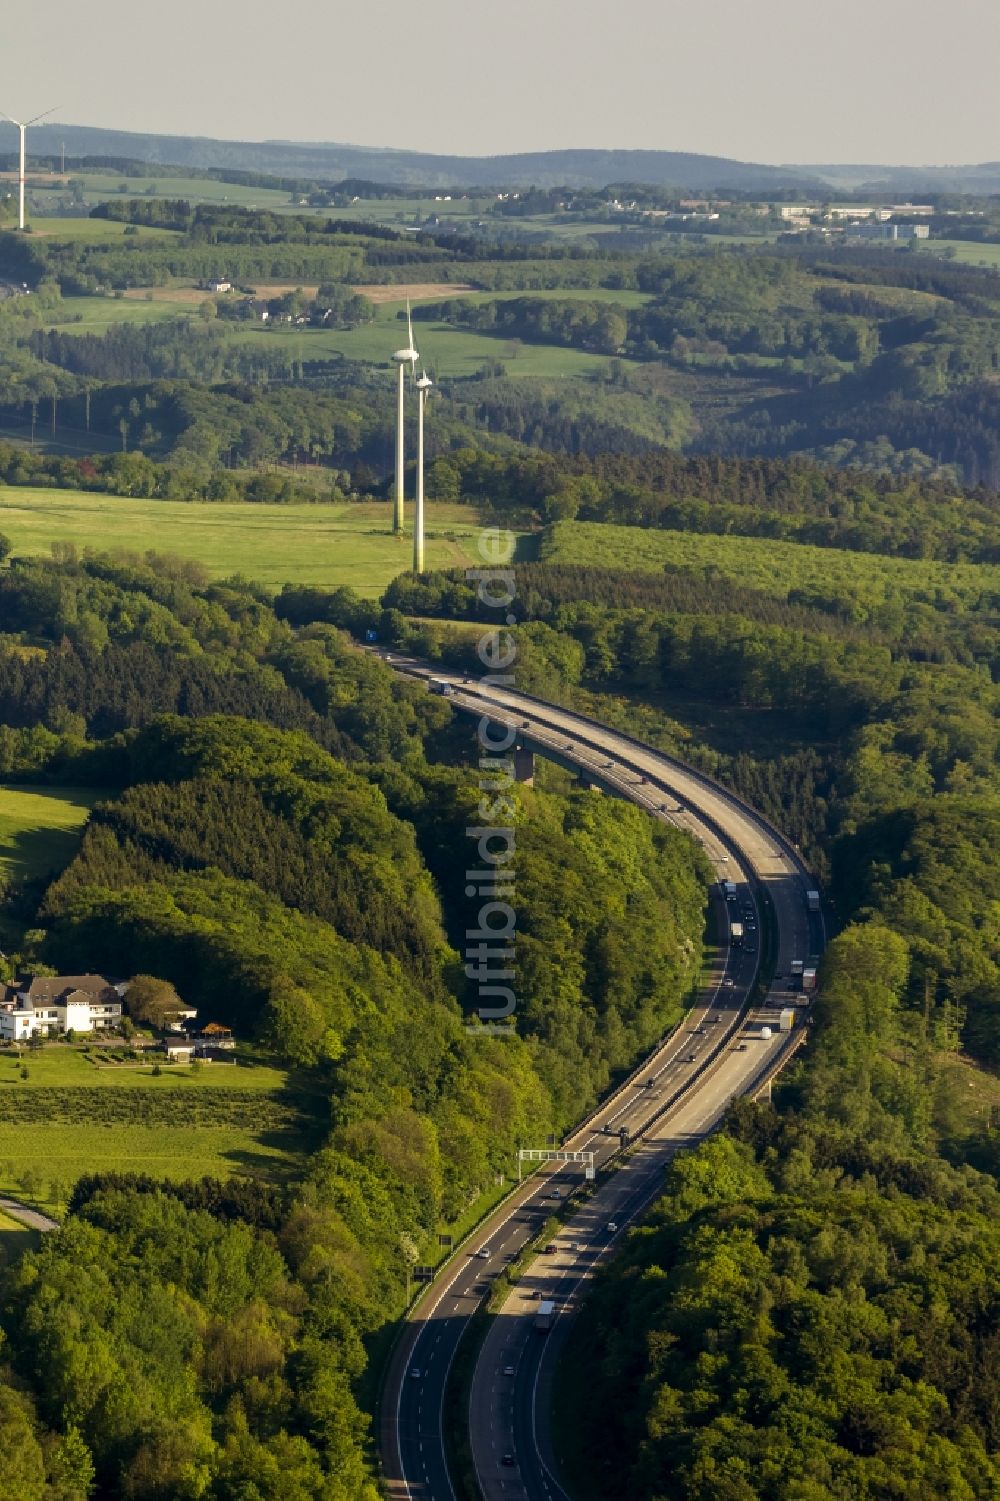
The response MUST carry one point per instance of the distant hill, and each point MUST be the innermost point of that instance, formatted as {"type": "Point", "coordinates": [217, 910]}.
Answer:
{"type": "Point", "coordinates": [574, 168]}
{"type": "Point", "coordinates": [334, 162]}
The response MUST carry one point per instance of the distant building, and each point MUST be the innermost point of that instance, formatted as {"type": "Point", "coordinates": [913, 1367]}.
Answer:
{"type": "Point", "coordinates": [888, 232]}
{"type": "Point", "coordinates": [45, 1005]}
{"type": "Point", "coordinates": [858, 211]}
{"type": "Point", "coordinates": [218, 284]}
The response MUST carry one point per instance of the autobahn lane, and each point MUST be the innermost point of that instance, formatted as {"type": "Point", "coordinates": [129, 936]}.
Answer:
{"type": "Point", "coordinates": [412, 1416]}
{"type": "Point", "coordinates": [512, 1443]}
{"type": "Point", "coordinates": [743, 849]}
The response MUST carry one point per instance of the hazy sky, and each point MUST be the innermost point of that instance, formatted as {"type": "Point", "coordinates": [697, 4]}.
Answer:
{"type": "Point", "coordinates": [765, 80]}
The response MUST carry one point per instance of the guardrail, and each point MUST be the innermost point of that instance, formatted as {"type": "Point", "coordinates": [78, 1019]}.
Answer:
{"type": "Point", "coordinates": [704, 777]}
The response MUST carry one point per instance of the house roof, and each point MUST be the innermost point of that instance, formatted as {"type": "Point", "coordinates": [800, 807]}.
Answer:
{"type": "Point", "coordinates": [45, 989]}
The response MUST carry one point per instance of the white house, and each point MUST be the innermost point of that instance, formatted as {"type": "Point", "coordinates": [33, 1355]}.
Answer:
{"type": "Point", "coordinates": [48, 1004]}
{"type": "Point", "coordinates": [178, 1049]}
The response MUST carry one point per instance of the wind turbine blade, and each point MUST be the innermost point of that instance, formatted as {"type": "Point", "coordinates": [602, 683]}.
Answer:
{"type": "Point", "coordinates": [10, 118]}
{"type": "Point", "coordinates": [43, 116]}
{"type": "Point", "coordinates": [409, 324]}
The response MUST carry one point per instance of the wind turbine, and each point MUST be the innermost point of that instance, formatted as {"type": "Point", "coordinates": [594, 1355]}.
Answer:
{"type": "Point", "coordinates": [403, 357]}
{"type": "Point", "coordinates": [22, 126]}
{"type": "Point", "coordinates": [423, 386]}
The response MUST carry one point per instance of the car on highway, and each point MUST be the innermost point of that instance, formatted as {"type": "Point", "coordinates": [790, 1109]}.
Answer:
{"type": "Point", "coordinates": [415, 1373]}
{"type": "Point", "coordinates": [507, 1460]}
{"type": "Point", "coordinates": [729, 980]}
{"type": "Point", "coordinates": [612, 1227]}
{"type": "Point", "coordinates": [691, 1058]}
{"type": "Point", "coordinates": [550, 1249]}
{"type": "Point", "coordinates": [484, 1253]}
{"type": "Point", "coordinates": [555, 1193]}
{"type": "Point", "coordinates": [508, 1370]}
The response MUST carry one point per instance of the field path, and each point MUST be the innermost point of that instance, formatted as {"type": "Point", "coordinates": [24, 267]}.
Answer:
{"type": "Point", "coordinates": [32, 1217]}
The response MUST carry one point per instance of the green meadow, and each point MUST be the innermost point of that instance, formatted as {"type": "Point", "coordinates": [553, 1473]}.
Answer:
{"type": "Point", "coordinates": [40, 827]}
{"type": "Point", "coordinates": [76, 1114]}
{"type": "Point", "coordinates": [322, 545]}
{"type": "Point", "coordinates": [96, 230]}
{"type": "Point", "coordinates": [446, 351]}
{"type": "Point", "coordinates": [773, 567]}
{"type": "Point", "coordinates": [966, 252]}
{"type": "Point", "coordinates": [92, 315]}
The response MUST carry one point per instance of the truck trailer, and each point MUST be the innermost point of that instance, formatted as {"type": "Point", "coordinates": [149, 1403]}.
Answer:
{"type": "Point", "coordinates": [544, 1316]}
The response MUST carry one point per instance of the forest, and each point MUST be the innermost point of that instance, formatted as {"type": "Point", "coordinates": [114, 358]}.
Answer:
{"type": "Point", "coordinates": [872, 359]}
{"type": "Point", "coordinates": [761, 532]}
{"type": "Point", "coordinates": [765, 1334]}
{"type": "Point", "coordinates": [281, 836]}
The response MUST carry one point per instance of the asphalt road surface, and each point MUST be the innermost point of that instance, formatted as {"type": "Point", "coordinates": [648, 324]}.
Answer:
{"type": "Point", "coordinates": [674, 1099]}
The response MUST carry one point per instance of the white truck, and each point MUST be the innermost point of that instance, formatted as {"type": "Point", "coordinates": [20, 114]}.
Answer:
{"type": "Point", "coordinates": [736, 932]}
{"type": "Point", "coordinates": [809, 977]}
{"type": "Point", "coordinates": [812, 901]}
{"type": "Point", "coordinates": [544, 1316]}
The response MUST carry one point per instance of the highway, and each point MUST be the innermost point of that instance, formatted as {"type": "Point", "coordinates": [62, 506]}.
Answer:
{"type": "Point", "coordinates": [674, 1098]}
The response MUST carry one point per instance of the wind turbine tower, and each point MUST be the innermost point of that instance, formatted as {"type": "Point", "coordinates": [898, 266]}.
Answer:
{"type": "Point", "coordinates": [403, 357]}
{"type": "Point", "coordinates": [423, 386]}
{"type": "Point", "coordinates": [22, 126]}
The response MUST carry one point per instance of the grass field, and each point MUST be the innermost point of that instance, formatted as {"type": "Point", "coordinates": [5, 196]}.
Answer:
{"type": "Point", "coordinates": [449, 350]}
{"type": "Point", "coordinates": [39, 829]}
{"type": "Point", "coordinates": [966, 252]}
{"type": "Point", "coordinates": [98, 187]}
{"type": "Point", "coordinates": [72, 1116]}
{"type": "Point", "coordinates": [59, 228]}
{"type": "Point", "coordinates": [446, 351]}
{"type": "Point", "coordinates": [773, 567]}
{"type": "Point", "coordinates": [92, 315]}
{"type": "Point", "coordinates": [323, 545]}
{"type": "Point", "coordinates": [56, 1155]}
{"type": "Point", "coordinates": [64, 1067]}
